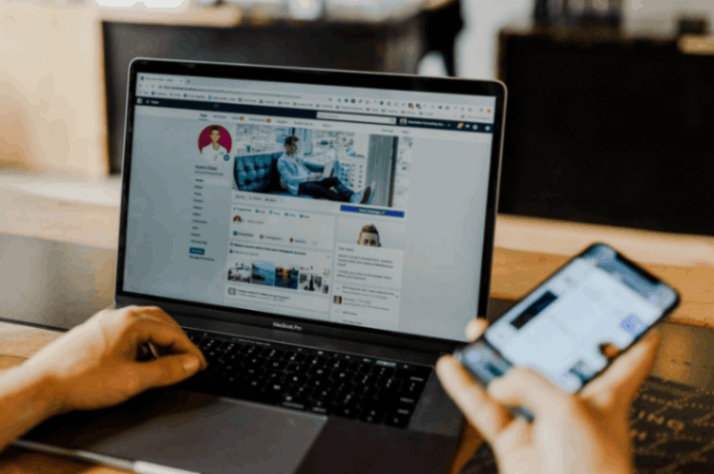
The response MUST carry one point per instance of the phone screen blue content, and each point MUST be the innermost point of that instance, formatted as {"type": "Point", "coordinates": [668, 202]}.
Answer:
{"type": "Point", "coordinates": [598, 298]}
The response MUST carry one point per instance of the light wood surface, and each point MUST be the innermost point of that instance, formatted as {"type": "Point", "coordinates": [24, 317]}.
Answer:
{"type": "Point", "coordinates": [515, 272]}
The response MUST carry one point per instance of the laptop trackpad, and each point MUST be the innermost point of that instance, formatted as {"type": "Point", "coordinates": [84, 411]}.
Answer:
{"type": "Point", "coordinates": [190, 431]}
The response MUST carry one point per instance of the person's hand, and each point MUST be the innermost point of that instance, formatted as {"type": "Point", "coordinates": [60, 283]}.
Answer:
{"type": "Point", "coordinates": [95, 364]}
{"type": "Point", "coordinates": [583, 433]}
{"type": "Point", "coordinates": [314, 176]}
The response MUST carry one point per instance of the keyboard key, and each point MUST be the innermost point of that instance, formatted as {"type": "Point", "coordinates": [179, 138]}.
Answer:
{"type": "Point", "coordinates": [232, 359]}
{"type": "Point", "coordinates": [294, 379]}
{"type": "Point", "coordinates": [253, 384]}
{"type": "Point", "coordinates": [347, 357]}
{"type": "Point", "coordinates": [275, 387]}
{"type": "Point", "coordinates": [347, 412]}
{"type": "Point", "coordinates": [212, 355]}
{"type": "Point", "coordinates": [319, 372]}
{"type": "Point", "coordinates": [407, 400]}
{"type": "Point", "coordinates": [272, 375]}
{"type": "Point", "coordinates": [360, 367]}
{"type": "Point", "coordinates": [344, 387]}
{"type": "Point", "coordinates": [381, 371]}
{"type": "Point", "coordinates": [206, 344]}
{"type": "Point", "coordinates": [254, 361]}
{"type": "Point", "coordinates": [302, 391]}
{"type": "Point", "coordinates": [318, 383]}
{"type": "Point", "coordinates": [406, 367]}
{"type": "Point", "coordinates": [254, 372]}
{"type": "Point", "coordinates": [404, 410]}
{"type": "Point", "coordinates": [366, 391]}
{"type": "Point", "coordinates": [365, 379]}
{"type": "Point", "coordinates": [273, 354]}
{"type": "Point", "coordinates": [295, 357]}
{"type": "Point", "coordinates": [412, 388]}
{"type": "Point", "coordinates": [342, 376]}
{"type": "Point", "coordinates": [321, 406]}
{"type": "Point", "coordinates": [275, 364]}
{"type": "Point", "coordinates": [222, 346]}
{"type": "Point", "coordinates": [295, 399]}
{"type": "Point", "coordinates": [253, 351]}
{"type": "Point", "coordinates": [393, 384]}
{"type": "Point", "coordinates": [394, 419]}
{"type": "Point", "coordinates": [226, 371]}
{"type": "Point", "coordinates": [349, 400]}
{"type": "Point", "coordinates": [324, 395]}
{"type": "Point", "coordinates": [293, 405]}
{"type": "Point", "coordinates": [372, 416]}
{"type": "Point", "coordinates": [322, 410]}
{"type": "Point", "coordinates": [297, 369]}
{"type": "Point", "coordinates": [316, 361]}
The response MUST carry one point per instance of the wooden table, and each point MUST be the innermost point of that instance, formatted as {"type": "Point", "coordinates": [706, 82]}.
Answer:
{"type": "Point", "coordinates": [515, 272]}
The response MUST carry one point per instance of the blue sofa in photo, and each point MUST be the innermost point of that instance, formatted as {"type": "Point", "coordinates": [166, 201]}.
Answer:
{"type": "Point", "coordinates": [259, 174]}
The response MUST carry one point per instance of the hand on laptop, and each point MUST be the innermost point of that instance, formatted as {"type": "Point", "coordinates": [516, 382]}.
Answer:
{"type": "Point", "coordinates": [95, 364]}
{"type": "Point", "coordinates": [584, 433]}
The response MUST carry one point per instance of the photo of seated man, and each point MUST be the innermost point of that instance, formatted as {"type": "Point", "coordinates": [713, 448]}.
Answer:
{"type": "Point", "coordinates": [303, 177]}
{"type": "Point", "coordinates": [369, 236]}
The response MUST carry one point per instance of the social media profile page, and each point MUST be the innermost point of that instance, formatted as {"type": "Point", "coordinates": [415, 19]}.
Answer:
{"type": "Point", "coordinates": [392, 240]}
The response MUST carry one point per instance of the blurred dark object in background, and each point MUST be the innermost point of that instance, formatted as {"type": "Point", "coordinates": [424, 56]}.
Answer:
{"type": "Point", "coordinates": [384, 47]}
{"type": "Point", "coordinates": [610, 131]}
{"type": "Point", "coordinates": [588, 14]}
{"type": "Point", "coordinates": [692, 26]}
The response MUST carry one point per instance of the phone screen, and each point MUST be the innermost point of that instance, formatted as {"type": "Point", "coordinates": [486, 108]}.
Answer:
{"type": "Point", "coordinates": [598, 298]}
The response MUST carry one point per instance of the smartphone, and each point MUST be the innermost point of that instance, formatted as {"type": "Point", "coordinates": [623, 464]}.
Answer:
{"type": "Point", "coordinates": [598, 299]}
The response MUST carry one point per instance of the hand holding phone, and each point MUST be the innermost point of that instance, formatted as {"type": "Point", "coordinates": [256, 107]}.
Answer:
{"type": "Point", "coordinates": [587, 433]}
{"type": "Point", "coordinates": [598, 298]}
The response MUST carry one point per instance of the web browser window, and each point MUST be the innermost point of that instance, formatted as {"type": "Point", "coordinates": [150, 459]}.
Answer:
{"type": "Point", "coordinates": [355, 206]}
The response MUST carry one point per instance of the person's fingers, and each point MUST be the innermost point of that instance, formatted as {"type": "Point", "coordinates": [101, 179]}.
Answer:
{"type": "Point", "coordinates": [485, 414]}
{"type": "Point", "coordinates": [618, 384]}
{"type": "Point", "coordinates": [515, 436]}
{"type": "Point", "coordinates": [167, 370]}
{"type": "Point", "coordinates": [153, 312]}
{"type": "Point", "coordinates": [476, 328]}
{"type": "Point", "coordinates": [148, 330]}
{"type": "Point", "coordinates": [527, 388]}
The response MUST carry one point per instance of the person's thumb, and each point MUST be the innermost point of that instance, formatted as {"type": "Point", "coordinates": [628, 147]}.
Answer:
{"type": "Point", "coordinates": [527, 388]}
{"type": "Point", "coordinates": [169, 370]}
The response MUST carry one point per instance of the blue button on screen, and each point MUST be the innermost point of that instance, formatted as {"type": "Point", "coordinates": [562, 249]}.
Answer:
{"type": "Point", "coordinates": [633, 325]}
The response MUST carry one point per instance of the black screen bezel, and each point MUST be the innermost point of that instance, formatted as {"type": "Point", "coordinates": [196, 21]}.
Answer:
{"type": "Point", "coordinates": [639, 270]}
{"type": "Point", "coordinates": [363, 80]}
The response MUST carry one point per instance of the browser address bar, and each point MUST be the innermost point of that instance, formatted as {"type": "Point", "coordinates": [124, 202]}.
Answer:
{"type": "Point", "coordinates": [357, 118]}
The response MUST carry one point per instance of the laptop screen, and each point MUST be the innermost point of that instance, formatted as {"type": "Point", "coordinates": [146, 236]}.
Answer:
{"type": "Point", "coordinates": [359, 207]}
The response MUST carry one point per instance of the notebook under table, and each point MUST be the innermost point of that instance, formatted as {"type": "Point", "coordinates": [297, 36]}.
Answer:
{"type": "Point", "coordinates": [244, 217]}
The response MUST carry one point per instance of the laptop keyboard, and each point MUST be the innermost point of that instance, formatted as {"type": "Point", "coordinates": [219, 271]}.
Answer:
{"type": "Point", "coordinates": [327, 383]}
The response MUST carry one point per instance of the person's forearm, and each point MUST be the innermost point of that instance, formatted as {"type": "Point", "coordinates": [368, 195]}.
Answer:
{"type": "Point", "coordinates": [26, 400]}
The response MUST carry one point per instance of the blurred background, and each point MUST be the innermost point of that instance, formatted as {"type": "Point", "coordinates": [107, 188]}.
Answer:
{"type": "Point", "coordinates": [610, 111]}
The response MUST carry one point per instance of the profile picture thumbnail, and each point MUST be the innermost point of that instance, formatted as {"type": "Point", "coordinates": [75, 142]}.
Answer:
{"type": "Point", "coordinates": [214, 144]}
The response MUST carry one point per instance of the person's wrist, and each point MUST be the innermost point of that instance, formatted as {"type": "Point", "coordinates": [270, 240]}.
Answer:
{"type": "Point", "coordinates": [44, 389]}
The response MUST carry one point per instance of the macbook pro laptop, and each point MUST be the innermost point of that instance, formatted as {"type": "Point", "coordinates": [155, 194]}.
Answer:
{"type": "Point", "coordinates": [323, 237]}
